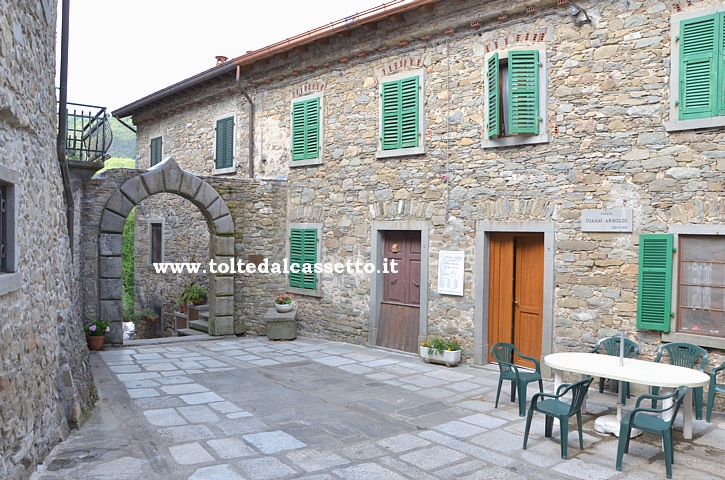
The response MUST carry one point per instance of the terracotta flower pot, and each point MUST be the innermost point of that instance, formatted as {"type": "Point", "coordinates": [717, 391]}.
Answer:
{"type": "Point", "coordinates": [95, 342]}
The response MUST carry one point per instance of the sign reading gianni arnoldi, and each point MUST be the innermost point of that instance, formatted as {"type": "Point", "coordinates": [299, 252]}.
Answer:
{"type": "Point", "coordinates": [609, 220]}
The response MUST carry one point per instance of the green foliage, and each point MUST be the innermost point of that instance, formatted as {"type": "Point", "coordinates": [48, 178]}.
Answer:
{"type": "Point", "coordinates": [440, 345]}
{"type": "Point", "coordinates": [145, 314]}
{"type": "Point", "coordinates": [124, 140]}
{"type": "Point", "coordinates": [127, 271]}
{"type": "Point", "coordinates": [97, 328]}
{"type": "Point", "coordinates": [117, 163]}
{"type": "Point", "coordinates": [193, 293]}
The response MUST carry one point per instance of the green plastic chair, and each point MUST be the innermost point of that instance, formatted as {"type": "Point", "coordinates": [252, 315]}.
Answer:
{"type": "Point", "coordinates": [550, 405]}
{"type": "Point", "coordinates": [640, 418]}
{"type": "Point", "coordinates": [520, 377]}
{"type": "Point", "coordinates": [611, 345]}
{"type": "Point", "coordinates": [684, 355]}
{"type": "Point", "coordinates": [714, 388]}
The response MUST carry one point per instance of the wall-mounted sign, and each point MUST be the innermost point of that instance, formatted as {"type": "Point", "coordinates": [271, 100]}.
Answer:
{"type": "Point", "coordinates": [450, 272]}
{"type": "Point", "coordinates": [609, 220]}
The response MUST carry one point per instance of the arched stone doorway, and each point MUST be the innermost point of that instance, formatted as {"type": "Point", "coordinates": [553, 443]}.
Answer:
{"type": "Point", "coordinates": [166, 177]}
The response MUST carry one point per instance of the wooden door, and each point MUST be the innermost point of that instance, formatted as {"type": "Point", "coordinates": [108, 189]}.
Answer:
{"type": "Point", "coordinates": [516, 292]}
{"type": "Point", "coordinates": [399, 319]}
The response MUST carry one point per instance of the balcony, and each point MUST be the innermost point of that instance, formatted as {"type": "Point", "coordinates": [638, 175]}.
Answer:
{"type": "Point", "coordinates": [89, 134]}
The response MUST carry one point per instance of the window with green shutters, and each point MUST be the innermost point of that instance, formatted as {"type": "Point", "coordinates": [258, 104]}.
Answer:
{"type": "Point", "coordinates": [224, 143]}
{"type": "Point", "coordinates": [654, 289]}
{"type": "Point", "coordinates": [156, 150]}
{"type": "Point", "coordinates": [513, 88]}
{"type": "Point", "coordinates": [400, 120]}
{"type": "Point", "coordinates": [702, 67]}
{"type": "Point", "coordinates": [303, 253]}
{"type": "Point", "coordinates": [306, 129]}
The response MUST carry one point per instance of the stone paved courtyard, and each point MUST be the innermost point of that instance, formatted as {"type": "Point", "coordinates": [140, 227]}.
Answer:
{"type": "Point", "coordinates": [249, 408]}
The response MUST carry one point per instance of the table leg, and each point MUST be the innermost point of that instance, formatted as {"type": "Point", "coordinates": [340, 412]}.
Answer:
{"type": "Point", "coordinates": [687, 415]}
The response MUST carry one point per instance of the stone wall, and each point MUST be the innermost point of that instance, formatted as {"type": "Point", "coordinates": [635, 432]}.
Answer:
{"type": "Point", "coordinates": [45, 380]}
{"type": "Point", "coordinates": [185, 239]}
{"type": "Point", "coordinates": [608, 97]}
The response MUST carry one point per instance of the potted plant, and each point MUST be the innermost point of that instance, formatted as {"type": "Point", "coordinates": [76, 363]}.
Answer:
{"type": "Point", "coordinates": [96, 334]}
{"type": "Point", "coordinates": [445, 351]}
{"type": "Point", "coordinates": [145, 314]}
{"type": "Point", "coordinates": [283, 302]}
{"type": "Point", "coordinates": [193, 293]}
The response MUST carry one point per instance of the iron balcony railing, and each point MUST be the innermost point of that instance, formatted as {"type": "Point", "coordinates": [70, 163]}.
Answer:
{"type": "Point", "coordinates": [89, 134]}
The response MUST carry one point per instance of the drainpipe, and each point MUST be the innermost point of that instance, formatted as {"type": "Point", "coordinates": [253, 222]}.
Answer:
{"type": "Point", "coordinates": [63, 123]}
{"type": "Point", "coordinates": [251, 123]}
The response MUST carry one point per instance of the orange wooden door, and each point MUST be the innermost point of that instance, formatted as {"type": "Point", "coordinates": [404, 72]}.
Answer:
{"type": "Point", "coordinates": [516, 292]}
{"type": "Point", "coordinates": [500, 289]}
{"type": "Point", "coordinates": [529, 296]}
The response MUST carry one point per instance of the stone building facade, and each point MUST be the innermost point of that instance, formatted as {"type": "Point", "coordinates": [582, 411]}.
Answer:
{"type": "Point", "coordinates": [607, 139]}
{"type": "Point", "coordinates": [45, 379]}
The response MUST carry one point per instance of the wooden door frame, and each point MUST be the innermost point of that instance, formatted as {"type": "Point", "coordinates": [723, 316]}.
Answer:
{"type": "Point", "coordinates": [377, 249]}
{"type": "Point", "coordinates": [482, 269]}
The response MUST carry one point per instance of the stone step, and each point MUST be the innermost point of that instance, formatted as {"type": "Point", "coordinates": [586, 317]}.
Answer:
{"type": "Point", "coordinates": [201, 325]}
{"type": "Point", "coordinates": [184, 332]}
{"type": "Point", "coordinates": [204, 315]}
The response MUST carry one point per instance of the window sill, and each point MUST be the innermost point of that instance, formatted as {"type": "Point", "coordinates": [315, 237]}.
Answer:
{"type": "Point", "coordinates": [305, 292]}
{"type": "Point", "coordinates": [305, 163]}
{"type": "Point", "coordinates": [401, 152]}
{"type": "Point", "coordinates": [694, 124]}
{"type": "Point", "coordinates": [701, 340]}
{"type": "Point", "coordinates": [9, 282]}
{"type": "Point", "coordinates": [221, 171]}
{"type": "Point", "coordinates": [514, 141]}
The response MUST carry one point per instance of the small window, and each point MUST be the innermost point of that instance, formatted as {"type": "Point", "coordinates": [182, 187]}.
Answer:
{"type": "Point", "coordinates": [516, 108]}
{"type": "Point", "coordinates": [157, 252]}
{"type": "Point", "coordinates": [401, 115]}
{"type": "Point", "coordinates": [698, 70]}
{"type": "Point", "coordinates": [307, 131]}
{"type": "Point", "coordinates": [10, 277]}
{"type": "Point", "coordinates": [156, 150]}
{"type": "Point", "coordinates": [4, 248]}
{"type": "Point", "coordinates": [701, 285]}
{"type": "Point", "coordinates": [224, 146]}
{"type": "Point", "coordinates": [304, 253]}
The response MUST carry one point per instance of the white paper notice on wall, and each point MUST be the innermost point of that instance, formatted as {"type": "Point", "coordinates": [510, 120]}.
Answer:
{"type": "Point", "coordinates": [450, 272]}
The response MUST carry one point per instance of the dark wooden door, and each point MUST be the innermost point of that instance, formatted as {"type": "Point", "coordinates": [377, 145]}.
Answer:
{"type": "Point", "coordinates": [399, 319]}
{"type": "Point", "coordinates": [516, 292]}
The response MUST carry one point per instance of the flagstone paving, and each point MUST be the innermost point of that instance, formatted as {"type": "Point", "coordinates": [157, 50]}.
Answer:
{"type": "Point", "coordinates": [250, 408]}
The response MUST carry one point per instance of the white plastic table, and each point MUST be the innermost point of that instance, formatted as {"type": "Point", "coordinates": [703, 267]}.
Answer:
{"type": "Point", "coordinates": [633, 371]}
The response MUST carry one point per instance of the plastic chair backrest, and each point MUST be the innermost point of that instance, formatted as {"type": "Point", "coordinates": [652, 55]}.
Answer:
{"type": "Point", "coordinates": [578, 394]}
{"type": "Point", "coordinates": [611, 345]}
{"type": "Point", "coordinates": [503, 353]}
{"type": "Point", "coordinates": [677, 398]}
{"type": "Point", "coordinates": [683, 354]}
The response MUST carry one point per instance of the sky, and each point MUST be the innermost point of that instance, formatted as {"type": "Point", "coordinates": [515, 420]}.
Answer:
{"type": "Point", "coordinates": [123, 50]}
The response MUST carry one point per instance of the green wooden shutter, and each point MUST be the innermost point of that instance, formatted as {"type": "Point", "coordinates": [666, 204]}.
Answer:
{"type": "Point", "coordinates": [494, 101]}
{"type": "Point", "coordinates": [409, 112]}
{"type": "Point", "coordinates": [306, 129]}
{"type": "Point", "coordinates": [654, 290]}
{"type": "Point", "coordinates": [400, 119]}
{"type": "Point", "coordinates": [298, 131]}
{"type": "Point", "coordinates": [698, 67]}
{"type": "Point", "coordinates": [312, 128]}
{"type": "Point", "coordinates": [225, 142]}
{"type": "Point", "coordinates": [303, 250]}
{"type": "Point", "coordinates": [156, 144]}
{"type": "Point", "coordinates": [721, 67]}
{"type": "Point", "coordinates": [391, 114]}
{"type": "Point", "coordinates": [523, 104]}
